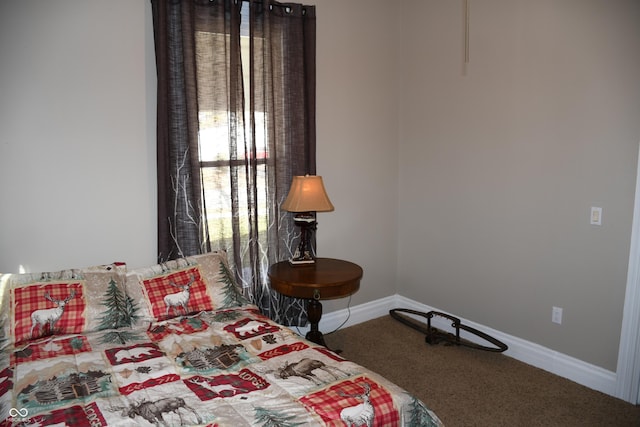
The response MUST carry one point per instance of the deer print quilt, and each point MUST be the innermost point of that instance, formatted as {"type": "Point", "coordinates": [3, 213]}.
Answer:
{"type": "Point", "coordinates": [176, 345]}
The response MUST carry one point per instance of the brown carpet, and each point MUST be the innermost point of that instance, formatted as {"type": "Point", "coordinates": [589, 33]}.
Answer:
{"type": "Point", "coordinates": [467, 387]}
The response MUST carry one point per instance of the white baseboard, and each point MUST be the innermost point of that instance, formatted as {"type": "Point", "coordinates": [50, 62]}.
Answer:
{"type": "Point", "coordinates": [530, 353]}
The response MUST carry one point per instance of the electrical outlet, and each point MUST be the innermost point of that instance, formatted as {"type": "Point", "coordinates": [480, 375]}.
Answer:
{"type": "Point", "coordinates": [556, 315]}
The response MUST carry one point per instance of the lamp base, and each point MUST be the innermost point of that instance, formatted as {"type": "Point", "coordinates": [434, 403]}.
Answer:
{"type": "Point", "coordinates": [303, 254]}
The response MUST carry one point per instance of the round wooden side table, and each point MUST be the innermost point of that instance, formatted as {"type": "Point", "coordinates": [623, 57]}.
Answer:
{"type": "Point", "coordinates": [327, 278]}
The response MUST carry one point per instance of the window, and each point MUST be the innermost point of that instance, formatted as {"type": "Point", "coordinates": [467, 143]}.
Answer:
{"type": "Point", "coordinates": [218, 163]}
{"type": "Point", "coordinates": [217, 158]}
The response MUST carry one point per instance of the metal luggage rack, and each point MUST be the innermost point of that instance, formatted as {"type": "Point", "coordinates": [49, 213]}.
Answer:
{"type": "Point", "coordinates": [435, 335]}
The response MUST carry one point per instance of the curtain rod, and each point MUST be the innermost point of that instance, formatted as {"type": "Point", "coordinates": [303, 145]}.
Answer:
{"type": "Point", "coordinates": [287, 6]}
{"type": "Point", "coordinates": [275, 3]}
{"type": "Point", "coordinates": [278, 4]}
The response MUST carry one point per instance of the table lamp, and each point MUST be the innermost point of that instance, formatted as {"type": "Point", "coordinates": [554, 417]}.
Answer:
{"type": "Point", "coordinates": [306, 196]}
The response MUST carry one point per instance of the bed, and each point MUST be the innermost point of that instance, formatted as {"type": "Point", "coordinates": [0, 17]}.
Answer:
{"type": "Point", "coordinates": [175, 344]}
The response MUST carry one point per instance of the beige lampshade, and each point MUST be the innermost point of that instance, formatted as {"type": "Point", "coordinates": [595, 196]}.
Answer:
{"type": "Point", "coordinates": [307, 194]}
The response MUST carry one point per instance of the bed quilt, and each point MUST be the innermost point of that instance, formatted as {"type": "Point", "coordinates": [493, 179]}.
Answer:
{"type": "Point", "coordinates": [229, 367]}
{"type": "Point", "coordinates": [174, 344]}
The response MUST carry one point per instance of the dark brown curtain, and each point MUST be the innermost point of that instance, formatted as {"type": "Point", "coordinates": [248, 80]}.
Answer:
{"type": "Point", "coordinates": [236, 120]}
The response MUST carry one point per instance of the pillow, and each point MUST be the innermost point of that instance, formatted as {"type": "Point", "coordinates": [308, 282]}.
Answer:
{"type": "Point", "coordinates": [75, 301]}
{"type": "Point", "coordinates": [183, 287]}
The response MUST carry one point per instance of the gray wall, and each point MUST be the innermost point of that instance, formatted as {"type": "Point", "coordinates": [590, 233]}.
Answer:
{"type": "Point", "coordinates": [470, 193]}
{"type": "Point", "coordinates": [77, 128]}
{"type": "Point", "coordinates": [500, 166]}
{"type": "Point", "coordinates": [357, 133]}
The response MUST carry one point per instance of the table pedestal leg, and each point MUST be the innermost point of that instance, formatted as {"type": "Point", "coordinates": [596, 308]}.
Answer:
{"type": "Point", "coordinates": [314, 313]}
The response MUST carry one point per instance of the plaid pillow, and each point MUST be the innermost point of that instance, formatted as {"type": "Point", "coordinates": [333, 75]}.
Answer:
{"type": "Point", "coordinates": [177, 294]}
{"type": "Point", "coordinates": [184, 286]}
{"type": "Point", "coordinates": [48, 309]}
{"type": "Point", "coordinates": [37, 305]}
